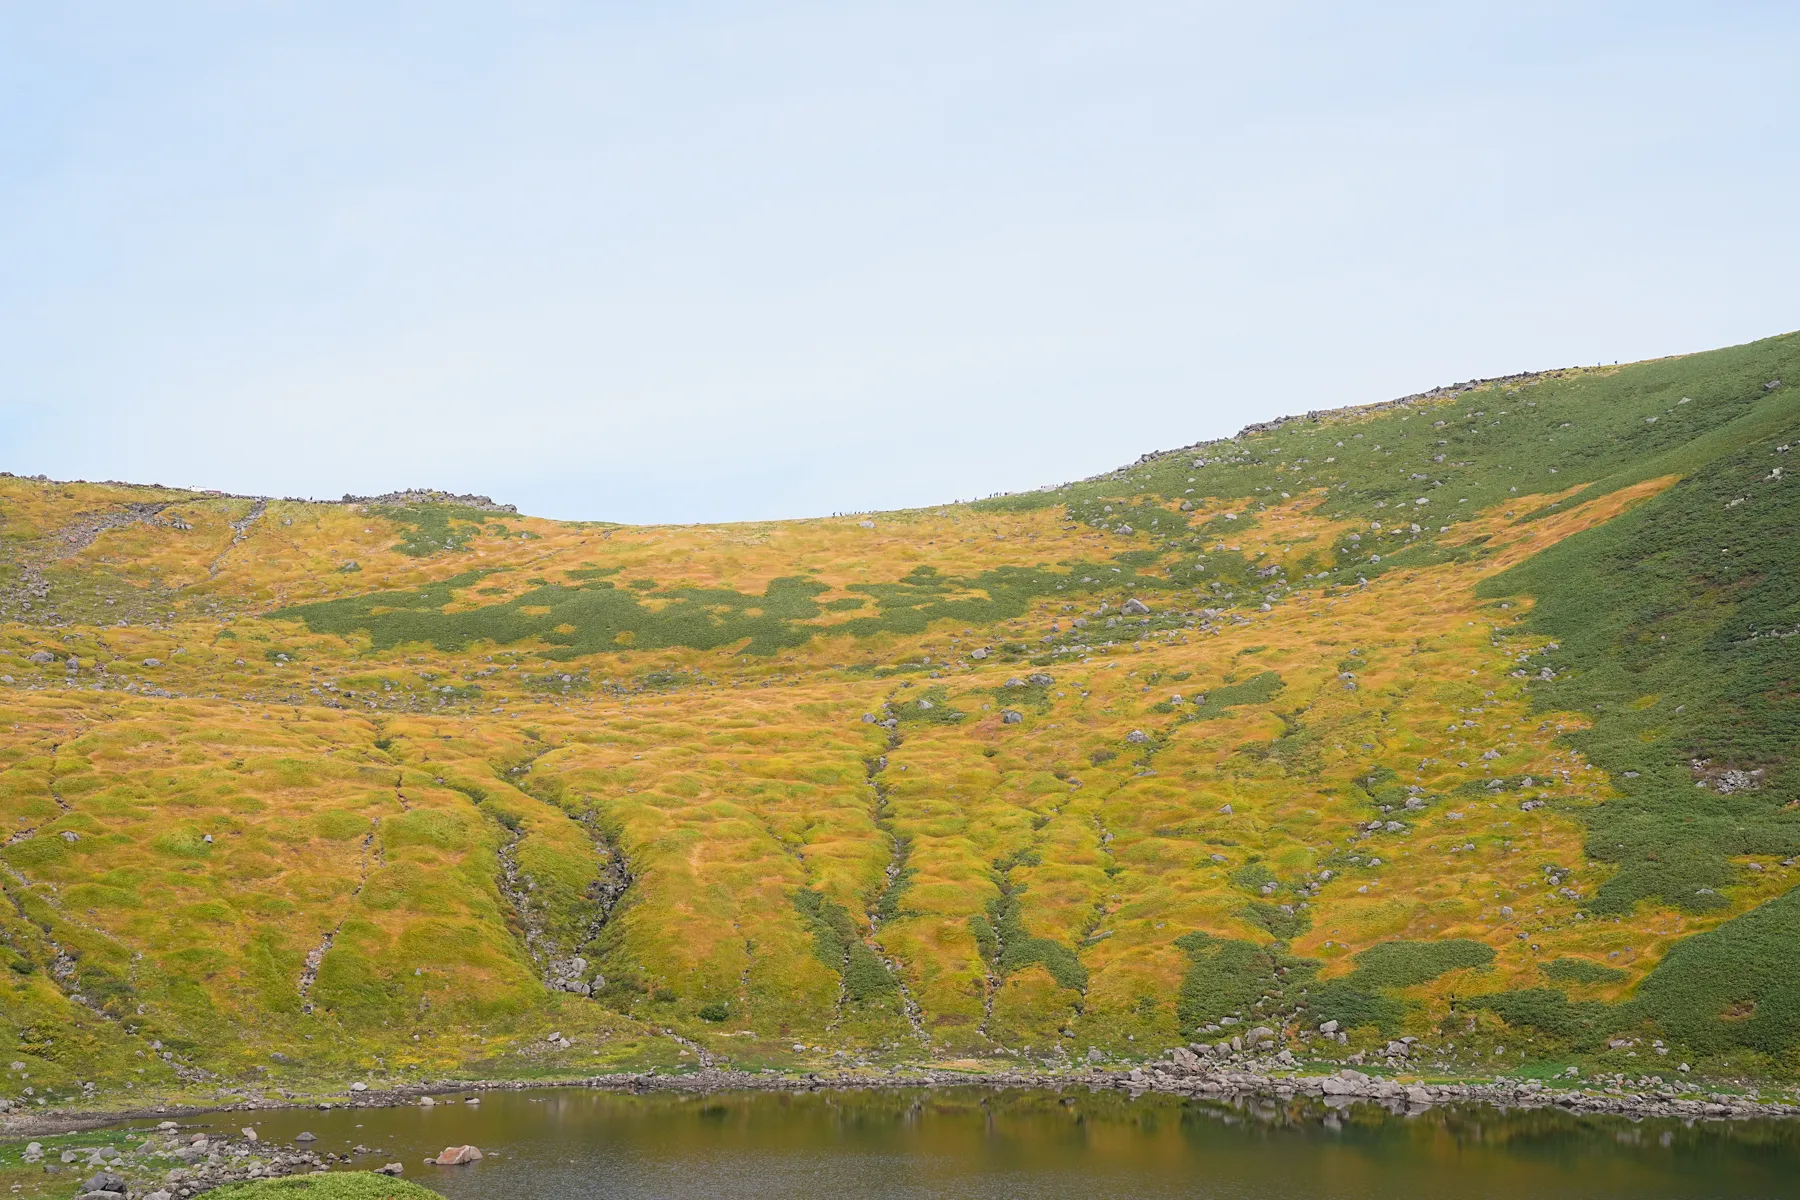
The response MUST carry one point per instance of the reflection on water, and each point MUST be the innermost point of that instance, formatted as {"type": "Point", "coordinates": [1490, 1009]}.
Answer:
{"type": "Point", "coordinates": [570, 1143]}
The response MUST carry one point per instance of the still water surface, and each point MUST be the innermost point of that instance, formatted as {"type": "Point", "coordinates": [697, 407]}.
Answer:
{"type": "Point", "coordinates": [980, 1143]}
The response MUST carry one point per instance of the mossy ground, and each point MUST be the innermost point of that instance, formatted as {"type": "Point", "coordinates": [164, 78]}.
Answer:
{"type": "Point", "coordinates": [284, 824]}
{"type": "Point", "coordinates": [334, 1185]}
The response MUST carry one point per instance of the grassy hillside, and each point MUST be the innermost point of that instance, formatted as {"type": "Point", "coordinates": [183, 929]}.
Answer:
{"type": "Point", "coordinates": [1468, 717]}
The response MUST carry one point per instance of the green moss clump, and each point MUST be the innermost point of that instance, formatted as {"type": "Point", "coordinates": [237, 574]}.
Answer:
{"type": "Point", "coordinates": [428, 529]}
{"type": "Point", "coordinates": [1225, 977]}
{"type": "Point", "coordinates": [334, 1185]}
{"type": "Point", "coordinates": [1734, 987]}
{"type": "Point", "coordinates": [1580, 970]}
{"type": "Point", "coordinates": [931, 708]}
{"type": "Point", "coordinates": [1283, 922]}
{"type": "Point", "coordinates": [1258, 689]}
{"type": "Point", "coordinates": [1406, 964]}
{"type": "Point", "coordinates": [1009, 946]}
{"type": "Point", "coordinates": [1362, 998]}
{"type": "Point", "coordinates": [1579, 1024]}
{"type": "Point", "coordinates": [837, 944]}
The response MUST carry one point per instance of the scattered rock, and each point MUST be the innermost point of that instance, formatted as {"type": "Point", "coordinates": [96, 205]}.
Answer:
{"type": "Point", "coordinates": [568, 974]}
{"type": "Point", "coordinates": [1011, 717]}
{"type": "Point", "coordinates": [394, 1169]}
{"type": "Point", "coordinates": [455, 1156]}
{"type": "Point", "coordinates": [306, 1137]}
{"type": "Point", "coordinates": [1135, 607]}
{"type": "Point", "coordinates": [1137, 737]}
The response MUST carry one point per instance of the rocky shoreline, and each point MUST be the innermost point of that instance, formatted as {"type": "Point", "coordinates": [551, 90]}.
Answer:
{"type": "Point", "coordinates": [169, 1164]}
{"type": "Point", "coordinates": [1180, 1071]}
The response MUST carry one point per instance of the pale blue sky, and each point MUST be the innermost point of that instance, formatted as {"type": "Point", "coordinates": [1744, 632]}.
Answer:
{"type": "Point", "coordinates": [692, 261]}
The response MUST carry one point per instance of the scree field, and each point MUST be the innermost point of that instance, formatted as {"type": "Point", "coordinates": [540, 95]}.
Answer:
{"type": "Point", "coordinates": [1470, 718]}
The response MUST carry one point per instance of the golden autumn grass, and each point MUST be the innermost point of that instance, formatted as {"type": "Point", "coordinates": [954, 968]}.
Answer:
{"type": "Point", "coordinates": [250, 849]}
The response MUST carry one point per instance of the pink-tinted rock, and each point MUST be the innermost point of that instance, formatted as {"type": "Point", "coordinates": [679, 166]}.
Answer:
{"type": "Point", "coordinates": [457, 1155]}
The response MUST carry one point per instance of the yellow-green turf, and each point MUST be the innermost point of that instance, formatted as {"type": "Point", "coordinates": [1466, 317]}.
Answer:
{"type": "Point", "coordinates": [1470, 717]}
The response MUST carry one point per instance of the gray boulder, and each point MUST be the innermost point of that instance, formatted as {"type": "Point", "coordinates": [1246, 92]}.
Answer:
{"type": "Point", "coordinates": [104, 1181]}
{"type": "Point", "coordinates": [1011, 717]}
{"type": "Point", "coordinates": [1135, 607]}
